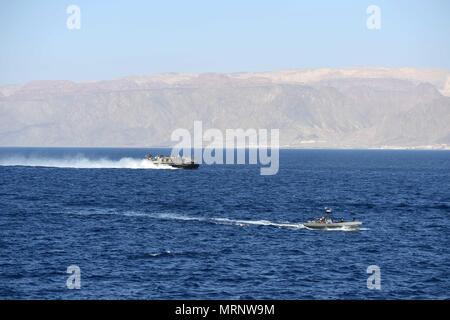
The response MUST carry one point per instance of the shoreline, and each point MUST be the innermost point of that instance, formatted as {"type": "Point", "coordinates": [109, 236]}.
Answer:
{"type": "Point", "coordinates": [430, 148]}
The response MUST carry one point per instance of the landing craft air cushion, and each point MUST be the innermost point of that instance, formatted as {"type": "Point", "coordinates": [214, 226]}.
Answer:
{"type": "Point", "coordinates": [175, 162]}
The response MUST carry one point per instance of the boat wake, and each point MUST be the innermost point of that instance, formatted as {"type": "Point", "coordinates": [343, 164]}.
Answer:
{"type": "Point", "coordinates": [82, 163]}
{"type": "Point", "coordinates": [213, 220]}
{"type": "Point", "coordinates": [238, 222]}
{"type": "Point", "coordinates": [258, 223]}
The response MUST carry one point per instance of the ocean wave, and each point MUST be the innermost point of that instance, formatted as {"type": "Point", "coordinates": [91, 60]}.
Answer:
{"type": "Point", "coordinates": [169, 254]}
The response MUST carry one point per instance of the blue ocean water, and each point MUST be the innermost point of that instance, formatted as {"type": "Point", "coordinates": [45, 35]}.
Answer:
{"type": "Point", "coordinates": [223, 231]}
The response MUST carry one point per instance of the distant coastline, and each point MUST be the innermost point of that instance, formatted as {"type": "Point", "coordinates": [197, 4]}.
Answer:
{"type": "Point", "coordinates": [419, 148]}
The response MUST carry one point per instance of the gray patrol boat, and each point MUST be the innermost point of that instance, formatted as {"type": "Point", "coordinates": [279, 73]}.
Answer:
{"type": "Point", "coordinates": [326, 223]}
{"type": "Point", "coordinates": [175, 162]}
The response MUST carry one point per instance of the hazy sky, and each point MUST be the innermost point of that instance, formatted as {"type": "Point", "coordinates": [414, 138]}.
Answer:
{"type": "Point", "coordinates": [119, 38]}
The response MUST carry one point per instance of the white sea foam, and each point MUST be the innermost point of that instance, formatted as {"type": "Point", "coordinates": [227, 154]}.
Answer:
{"type": "Point", "coordinates": [82, 163]}
{"type": "Point", "coordinates": [258, 223]}
{"type": "Point", "coordinates": [238, 222]}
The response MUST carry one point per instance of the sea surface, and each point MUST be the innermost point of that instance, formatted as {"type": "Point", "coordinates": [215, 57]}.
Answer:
{"type": "Point", "coordinates": [223, 231]}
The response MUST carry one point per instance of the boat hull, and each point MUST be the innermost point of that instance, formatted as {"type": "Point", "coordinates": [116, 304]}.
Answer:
{"type": "Point", "coordinates": [334, 225]}
{"type": "Point", "coordinates": [188, 166]}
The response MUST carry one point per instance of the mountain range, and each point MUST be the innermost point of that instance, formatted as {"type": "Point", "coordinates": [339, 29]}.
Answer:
{"type": "Point", "coordinates": [313, 108]}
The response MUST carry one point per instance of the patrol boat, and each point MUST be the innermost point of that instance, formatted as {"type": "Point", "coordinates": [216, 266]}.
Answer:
{"type": "Point", "coordinates": [175, 162]}
{"type": "Point", "coordinates": [326, 223]}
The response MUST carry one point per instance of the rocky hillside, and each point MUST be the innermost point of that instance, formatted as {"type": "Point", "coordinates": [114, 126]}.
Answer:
{"type": "Point", "coordinates": [371, 107]}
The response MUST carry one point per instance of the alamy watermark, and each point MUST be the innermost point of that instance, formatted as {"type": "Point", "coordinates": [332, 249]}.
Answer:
{"type": "Point", "coordinates": [374, 280]}
{"type": "Point", "coordinates": [73, 21]}
{"type": "Point", "coordinates": [373, 21]}
{"type": "Point", "coordinates": [74, 280]}
{"type": "Point", "coordinates": [210, 146]}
